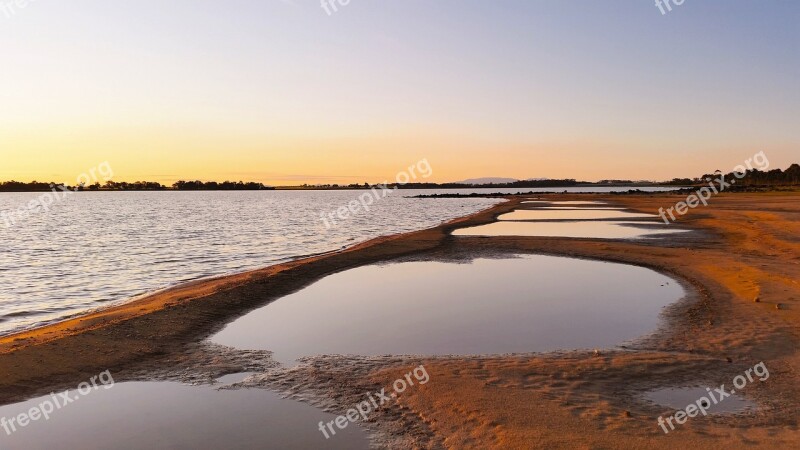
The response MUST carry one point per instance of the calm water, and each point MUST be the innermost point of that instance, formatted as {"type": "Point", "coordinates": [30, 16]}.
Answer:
{"type": "Point", "coordinates": [94, 249]}
{"type": "Point", "coordinates": [592, 208]}
{"type": "Point", "coordinates": [572, 214]}
{"type": "Point", "coordinates": [576, 229]}
{"type": "Point", "coordinates": [177, 417]}
{"type": "Point", "coordinates": [575, 219]}
{"type": "Point", "coordinates": [679, 398]}
{"type": "Point", "coordinates": [524, 304]}
{"type": "Point", "coordinates": [571, 203]}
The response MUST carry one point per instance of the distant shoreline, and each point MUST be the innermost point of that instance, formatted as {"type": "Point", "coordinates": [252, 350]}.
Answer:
{"type": "Point", "coordinates": [353, 188]}
{"type": "Point", "coordinates": [552, 189]}
{"type": "Point", "coordinates": [749, 179]}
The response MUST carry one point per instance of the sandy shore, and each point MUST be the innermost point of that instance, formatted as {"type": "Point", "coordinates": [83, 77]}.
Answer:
{"type": "Point", "coordinates": [745, 245]}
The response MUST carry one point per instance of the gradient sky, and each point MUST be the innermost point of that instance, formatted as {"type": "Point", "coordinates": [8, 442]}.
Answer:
{"type": "Point", "coordinates": [278, 91]}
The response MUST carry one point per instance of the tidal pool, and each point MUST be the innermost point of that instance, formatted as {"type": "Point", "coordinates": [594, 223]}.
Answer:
{"type": "Point", "coordinates": [571, 214]}
{"type": "Point", "coordinates": [174, 416]}
{"type": "Point", "coordinates": [233, 378]}
{"type": "Point", "coordinates": [530, 303]}
{"type": "Point", "coordinates": [578, 208]}
{"type": "Point", "coordinates": [573, 202]}
{"type": "Point", "coordinates": [679, 398]}
{"type": "Point", "coordinates": [578, 229]}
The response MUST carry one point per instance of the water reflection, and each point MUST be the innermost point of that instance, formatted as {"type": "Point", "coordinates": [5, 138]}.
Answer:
{"type": "Point", "coordinates": [571, 214]}
{"type": "Point", "coordinates": [174, 416]}
{"type": "Point", "coordinates": [573, 202]}
{"type": "Point", "coordinates": [576, 208]}
{"type": "Point", "coordinates": [530, 303]}
{"type": "Point", "coordinates": [679, 398]}
{"type": "Point", "coordinates": [589, 230]}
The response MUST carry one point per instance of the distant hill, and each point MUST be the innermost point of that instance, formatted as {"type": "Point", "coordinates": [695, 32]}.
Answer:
{"type": "Point", "coordinates": [497, 180]}
{"type": "Point", "coordinates": [488, 180]}
{"type": "Point", "coordinates": [751, 178]}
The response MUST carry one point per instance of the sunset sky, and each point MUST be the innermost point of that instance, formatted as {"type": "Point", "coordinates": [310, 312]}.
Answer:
{"type": "Point", "coordinates": [279, 91]}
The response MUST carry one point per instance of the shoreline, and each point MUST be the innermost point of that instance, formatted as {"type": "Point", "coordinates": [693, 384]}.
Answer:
{"type": "Point", "coordinates": [162, 298]}
{"type": "Point", "coordinates": [360, 188]}
{"type": "Point", "coordinates": [148, 295]}
{"type": "Point", "coordinates": [127, 331]}
{"type": "Point", "coordinates": [723, 260]}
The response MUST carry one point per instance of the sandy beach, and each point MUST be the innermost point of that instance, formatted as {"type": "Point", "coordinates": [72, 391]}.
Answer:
{"type": "Point", "coordinates": [400, 225]}
{"type": "Point", "coordinates": [744, 246]}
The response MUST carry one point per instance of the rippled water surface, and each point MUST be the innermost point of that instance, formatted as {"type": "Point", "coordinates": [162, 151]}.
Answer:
{"type": "Point", "coordinates": [95, 248]}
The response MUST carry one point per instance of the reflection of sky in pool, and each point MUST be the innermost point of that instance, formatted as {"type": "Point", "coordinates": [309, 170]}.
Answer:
{"type": "Point", "coordinates": [571, 214]}
{"type": "Point", "coordinates": [679, 398]}
{"type": "Point", "coordinates": [593, 230]}
{"type": "Point", "coordinates": [177, 417]}
{"type": "Point", "coordinates": [573, 202]}
{"type": "Point", "coordinates": [489, 306]}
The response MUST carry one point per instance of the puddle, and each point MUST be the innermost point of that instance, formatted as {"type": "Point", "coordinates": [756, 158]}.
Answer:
{"type": "Point", "coordinates": [176, 416]}
{"type": "Point", "coordinates": [592, 230]}
{"type": "Point", "coordinates": [571, 214]}
{"type": "Point", "coordinates": [233, 378]}
{"type": "Point", "coordinates": [679, 398]}
{"type": "Point", "coordinates": [578, 208]}
{"type": "Point", "coordinates": [489, 306]}
{"type": "Point", "coordinates": [574, 202]}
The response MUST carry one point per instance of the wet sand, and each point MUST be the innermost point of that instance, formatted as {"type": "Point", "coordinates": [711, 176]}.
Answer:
{"type": "Point", "coordinates": [745, 245]}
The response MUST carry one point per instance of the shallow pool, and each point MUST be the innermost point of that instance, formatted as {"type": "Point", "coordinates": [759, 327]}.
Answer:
{"type": "Point", "coordinates": [574, 202]}
{"type": "Point", "coordinates": [712, 402]}
{"type": "Point", "coordinates": [578, 229]}
{"type": "Point", "coordinates": [174, 416]}
{"type": "Point", "coordinates": [488, 306]}
{"type": "Point", "coordinates": [576, 208]}
{"type": "Point", "coordinates": [571, 214]}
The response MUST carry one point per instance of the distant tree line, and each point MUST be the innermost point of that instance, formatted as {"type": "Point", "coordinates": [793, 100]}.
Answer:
{"type": "Point", "coordinates": [616, 182]}
{"type": "Point", "coordinates": [754, 177]}
{"type": "Point", "coordinates": [775, 177]}
{"type": "Point", "coordinates": [36, 186]}
{"type": "Point", "coordinates": [125, 186]}
{"type": "Point", "coordinates": [515, 184]}
{"type": "Point", "coordinates": [223, 186]}
{"type": "Point", "coordinates": [17, 186]}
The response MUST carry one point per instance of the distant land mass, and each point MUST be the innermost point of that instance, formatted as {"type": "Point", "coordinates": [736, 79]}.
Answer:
{"type": "Point", "coordinates": [487, 180]}
{"type": "Point", "coordinates": [496, 180]}
{"type": "Point", "coordinates": [750, 178]}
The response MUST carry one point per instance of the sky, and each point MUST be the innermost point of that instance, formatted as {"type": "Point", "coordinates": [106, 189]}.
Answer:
{"type": "Point", "coordinates": [282, 92]}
